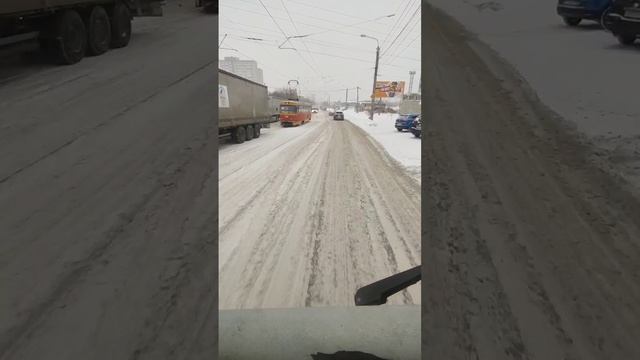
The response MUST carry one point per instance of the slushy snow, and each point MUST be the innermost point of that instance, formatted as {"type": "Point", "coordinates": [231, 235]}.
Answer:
{"type": "Point", "coordinates": [401, 146]}
{"type": "Point", "coordinates": [581, 73]}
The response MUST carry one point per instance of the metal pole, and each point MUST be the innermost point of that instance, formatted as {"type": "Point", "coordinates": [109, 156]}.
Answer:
{"type": "Point", "coordinates": [225, 36]}
{"type": "Point", "coordinates": [357, 98]}
{"type": "Point", "coordinates": [375, 78]}
{"type": "Point", "coordinates": [346, 95]}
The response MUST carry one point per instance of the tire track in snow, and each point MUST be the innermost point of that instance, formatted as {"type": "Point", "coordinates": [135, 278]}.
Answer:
{"type": "Point", "coordinates": [314, 233]}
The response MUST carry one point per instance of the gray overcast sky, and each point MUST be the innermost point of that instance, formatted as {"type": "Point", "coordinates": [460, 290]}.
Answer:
{"type": "Point", "coordinates": [334, 57]}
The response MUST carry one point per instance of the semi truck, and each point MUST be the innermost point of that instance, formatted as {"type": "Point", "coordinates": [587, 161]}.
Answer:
{"type": "Point", "coordinates": [243, 107]}
{"type": "Point", "coordinates": [68, 30]}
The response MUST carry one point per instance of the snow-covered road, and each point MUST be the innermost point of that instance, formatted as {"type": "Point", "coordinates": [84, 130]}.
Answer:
{"type": "Point", "coordinates": [530, 249]}
{"type": "Point", "coordinates": [309, 214]}
{"type": "Point", "coordinates": [403, 147]}
{"type": "Point", "coordinates": [581, 73]}
{"type": "Point", "coordinates": [106, 188]}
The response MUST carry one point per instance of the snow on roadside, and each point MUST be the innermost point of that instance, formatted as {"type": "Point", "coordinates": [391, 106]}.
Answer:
{"type": "Point", "coordinates": [581, 73]}
{"type": "Point", "coordinates": [401, 146]}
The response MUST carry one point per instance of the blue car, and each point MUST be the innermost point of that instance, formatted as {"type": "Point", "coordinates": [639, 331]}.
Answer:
{"type": "Point", "coordinates": [405, 122]}
{"type": "Point", "coordinates": [574, 11]}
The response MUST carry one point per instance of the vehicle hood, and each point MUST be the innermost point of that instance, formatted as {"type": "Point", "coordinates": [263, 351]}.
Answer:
{"type": "Point", "coordinates": [386, 332]}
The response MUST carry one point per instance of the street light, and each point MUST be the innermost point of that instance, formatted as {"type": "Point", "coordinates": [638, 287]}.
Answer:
{"type": "Point", "coordinates": [370, 37]}
{"type": "Point", "coordinates": [375, 73]}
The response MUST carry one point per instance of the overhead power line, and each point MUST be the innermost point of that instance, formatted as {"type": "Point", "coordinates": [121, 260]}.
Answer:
{"type": "Point", "coordinates": [285, 35]}
{"type": "Point", "coordinates": [403, 29]}
{"type": "Point", "coordinates": [264, 43]}
{"type": "Point", "coordinates": [327, 10]}
{"type": "Point", "coordinates": [401, 51]}
{"type": "Point", "coordinates": [262, 64]}
{"type": "Point", "coordinates": [394, 52]}
{"type": "Point", "coordinates": [251, 35]}
{"type": "Point", "coordinates": [296, 28]}
{"type": "Point", "coordinates": [310, 16]}
{"type": "Point", "coordinates": [326, 29]}
{"type": "Point", "coordinates": [272, 18]}
{"type": "Point", "coordinates": [395, 23]}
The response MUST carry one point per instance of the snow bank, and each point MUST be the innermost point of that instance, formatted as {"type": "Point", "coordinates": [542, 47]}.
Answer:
{"type": "Point", "coordinates": [401, 146]}
{"type": "Point", "coordinates": [581, 73]}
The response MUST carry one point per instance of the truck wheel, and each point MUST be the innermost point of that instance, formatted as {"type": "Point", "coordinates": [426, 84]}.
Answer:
{"type": "Point", "coordinates": [70, 38]}
{"type": "Point", "coordinates": [256, 130]}
{"type": "Point", "coordinates": [572, 21]}
{"type": "Point", "coordinates": [120, 26]}
{"type": "Point", "coordinates": [239, 135]}
{"type": "Point", "coordinates": [249, 132]}
{"type": "Point", "coordinates": [99, 31]}
{"type": "Point", "coordinates": [626, 39]}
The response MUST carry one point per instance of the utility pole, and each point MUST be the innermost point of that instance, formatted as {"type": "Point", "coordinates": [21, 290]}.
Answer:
{"type": "Point", "coordinates": [375, 79]}
{"type": "Point", "coordinates": [357, 98]}
{"type": "Point", "coordinates": [375, 73]}
{"type": "Point", "coordinates": [346, 95]}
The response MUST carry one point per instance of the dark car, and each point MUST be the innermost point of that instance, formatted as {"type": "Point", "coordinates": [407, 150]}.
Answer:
{"type": "Point", "coordinates": [338, 115]}
{"type": "Point", "coordinates": [623, 20]}
{"type": "Point", "coordinates": [574, 11]}
{"type": "Point", "coordinates": [405, 122]}
{"type": "Point", "coordinates": [416, 129]}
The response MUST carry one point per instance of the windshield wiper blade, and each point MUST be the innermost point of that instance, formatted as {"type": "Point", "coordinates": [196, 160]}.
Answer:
{"type": "Point", "coordinates": [377, 293]}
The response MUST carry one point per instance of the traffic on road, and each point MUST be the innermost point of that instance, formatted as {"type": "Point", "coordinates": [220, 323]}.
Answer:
{"type": "Point", "coordinates": [320, 215]}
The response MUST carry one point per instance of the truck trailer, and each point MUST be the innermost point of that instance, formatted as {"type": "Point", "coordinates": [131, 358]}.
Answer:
{"type": "Point", "coordinates": [243, 107]}
{"type": "Point", "coordinates": [70, 29]}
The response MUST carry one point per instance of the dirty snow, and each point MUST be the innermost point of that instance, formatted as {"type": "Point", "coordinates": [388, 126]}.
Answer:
{"type": "Point", "coordinates": [309, 214]}
{"type": "Point", "coordinates": [580, 73]}
{"type": "Point", "coordinates": [403, 147]}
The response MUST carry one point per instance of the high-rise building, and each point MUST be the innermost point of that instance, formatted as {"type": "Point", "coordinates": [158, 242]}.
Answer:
{"type": "Point", "coordinates": [248, 69]}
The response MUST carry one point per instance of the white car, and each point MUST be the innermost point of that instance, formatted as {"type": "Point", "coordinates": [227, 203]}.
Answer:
{"type": "Point", "coordinates": [314, 110]}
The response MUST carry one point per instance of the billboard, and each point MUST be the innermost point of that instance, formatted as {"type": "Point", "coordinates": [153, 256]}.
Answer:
{"type": "Point", "coordinates": [389, 89]}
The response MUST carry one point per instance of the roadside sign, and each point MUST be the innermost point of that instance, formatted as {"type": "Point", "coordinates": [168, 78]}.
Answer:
{"type": "Point", "coordinates": [389, 89]}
